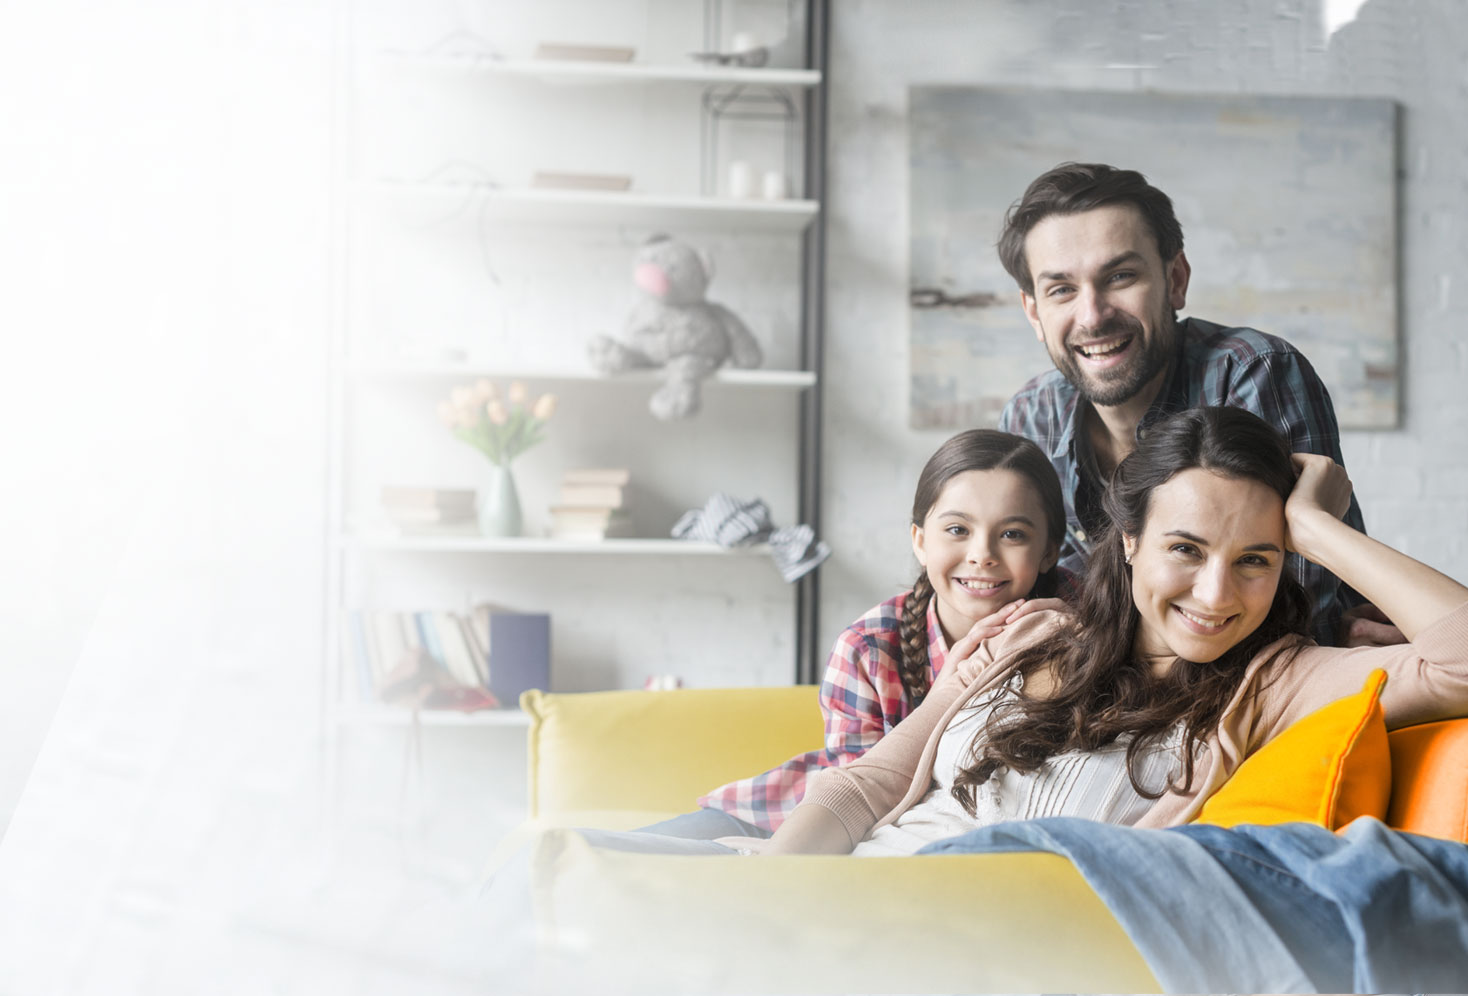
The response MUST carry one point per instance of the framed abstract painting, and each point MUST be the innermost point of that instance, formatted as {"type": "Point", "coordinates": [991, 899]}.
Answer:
{"type": "Point", "coordinates": [1289, 214]}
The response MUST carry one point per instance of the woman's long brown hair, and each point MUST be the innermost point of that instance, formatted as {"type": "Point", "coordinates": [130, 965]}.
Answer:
{"type": "Point", "coordinates": [1102, 690]}
{"type": "Point", "coordinates": [975, 449]}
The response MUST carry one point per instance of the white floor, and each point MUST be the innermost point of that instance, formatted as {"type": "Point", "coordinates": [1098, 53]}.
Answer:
{"type": "Point", "coordinates": [174, 836]}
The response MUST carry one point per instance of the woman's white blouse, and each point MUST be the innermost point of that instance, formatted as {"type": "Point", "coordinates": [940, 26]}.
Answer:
{"type": "Point", "coordinates": [1093, 786]}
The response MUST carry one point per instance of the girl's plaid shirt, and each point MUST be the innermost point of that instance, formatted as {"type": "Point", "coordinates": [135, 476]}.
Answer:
{"type": "Point", "coordinates": [861, 697]}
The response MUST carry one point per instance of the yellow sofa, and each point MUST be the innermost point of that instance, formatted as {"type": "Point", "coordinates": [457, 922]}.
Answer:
{"type": "Point", "coordinates": [1017, 922]}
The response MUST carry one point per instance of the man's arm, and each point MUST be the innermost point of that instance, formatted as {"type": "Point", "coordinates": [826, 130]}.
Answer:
{"type": "Point", "coordinates": [1283, 389]}
{"type": "Point", "coordinates": [1041, 423]}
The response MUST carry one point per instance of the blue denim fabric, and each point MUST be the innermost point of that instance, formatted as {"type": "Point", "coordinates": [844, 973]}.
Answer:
{"type": "Point", "coordinates": [705, 824]}
{"type": "Point", "coordinates": [1290, 908]}
{"type": "Point", "coordinates": [1402, 899]}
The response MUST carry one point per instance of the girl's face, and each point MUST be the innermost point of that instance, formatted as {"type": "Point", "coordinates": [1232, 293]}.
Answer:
{"type": "Point", "coordinates": [983, 544]}
{"type": "Point", "coordinates": [1205, 569]}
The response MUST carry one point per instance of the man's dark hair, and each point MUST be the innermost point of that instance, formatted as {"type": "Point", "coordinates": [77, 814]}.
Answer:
{"type": "Point", "coordinates": [1071, 188]}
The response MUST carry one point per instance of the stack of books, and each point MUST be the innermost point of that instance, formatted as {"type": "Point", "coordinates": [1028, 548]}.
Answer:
{"type": "Point", "coordinates": [592, 506]}
{"type": "Point", "coordinates": [420, 509]}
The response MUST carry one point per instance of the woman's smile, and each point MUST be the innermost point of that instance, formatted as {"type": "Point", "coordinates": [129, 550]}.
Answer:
{"type": "Point", "coordinates": [1205, 625]}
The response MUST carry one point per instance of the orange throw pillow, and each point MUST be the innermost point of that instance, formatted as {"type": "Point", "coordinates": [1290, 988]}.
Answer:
{"type": "Point", "coordinates": [1327, 769]}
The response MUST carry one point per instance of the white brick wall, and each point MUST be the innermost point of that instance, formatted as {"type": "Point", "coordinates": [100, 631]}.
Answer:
{"type": "Point", "coordinates": [1412, 482]}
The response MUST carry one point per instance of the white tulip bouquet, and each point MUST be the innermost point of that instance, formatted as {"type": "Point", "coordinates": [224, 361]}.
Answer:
{"type": "Point", "coordinates": [501, 429]}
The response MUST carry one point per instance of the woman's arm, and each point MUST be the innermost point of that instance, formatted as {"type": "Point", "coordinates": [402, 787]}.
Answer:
{"type": "Point", "coordinates": [858, 671]}
{"type": "Point", "coordinates": [844, 803]}
{"type": "Point", "coordinates": [855, 719]}
{"type": "Point", "coordinates": [810, 829]}
{"type": "Point", "coordinates": [1409, 592]}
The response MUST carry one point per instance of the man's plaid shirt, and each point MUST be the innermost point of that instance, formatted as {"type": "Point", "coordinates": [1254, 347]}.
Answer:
{"type": "Point", "coordinates": [861, 697]}
{"type": "Point", "coordinates": [1213, 365]}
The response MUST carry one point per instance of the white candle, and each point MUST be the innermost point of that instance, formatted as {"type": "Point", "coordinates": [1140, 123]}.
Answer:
{"type": "Point", "coordinates": [741, 179]}
{"type": "Point", "coordinates": [773, 187]}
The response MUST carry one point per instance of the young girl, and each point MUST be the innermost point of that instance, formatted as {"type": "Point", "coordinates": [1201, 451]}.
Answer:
{"type": "Point", "coordinates": [987, 522]}
{"type": "Point", "coordinates": [1186, 654]}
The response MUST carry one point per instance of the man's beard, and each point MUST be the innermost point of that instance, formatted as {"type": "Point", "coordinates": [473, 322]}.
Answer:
{"type": "Point", "coordinates": [1122, 383]}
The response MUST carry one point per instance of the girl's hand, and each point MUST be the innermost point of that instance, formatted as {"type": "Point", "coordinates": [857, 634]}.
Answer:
{"type": "Point", "coordinates": [1321, 487]}
{"type": "Point", "coordinates": [990, 625]}
{"type": "Point", "coordinates": [993, 624]}
{"type": "Point", "coordinates": [1039, 605]}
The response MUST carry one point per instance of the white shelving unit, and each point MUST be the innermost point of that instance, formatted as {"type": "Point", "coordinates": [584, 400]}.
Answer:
{"type": "Point", "coordinates": [532, 206]}
{"type": "Point", "coordinates": [774, 379]}
{"type": "Point", "coordinates": [563, 72]}
{"type": "Point", "coordinates": [381, 715]}
{"type": "Point", "coordinates": [365, 559]}
{"type": "Point", "coordinates": [468, 543]}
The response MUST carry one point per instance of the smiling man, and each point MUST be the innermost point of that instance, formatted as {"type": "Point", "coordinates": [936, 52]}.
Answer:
{"type": "Point", "coordinates": [1098, 256]}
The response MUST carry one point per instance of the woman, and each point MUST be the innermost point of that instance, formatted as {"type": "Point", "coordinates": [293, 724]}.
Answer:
{"type": "Point", "coordinates": [1185, 655]}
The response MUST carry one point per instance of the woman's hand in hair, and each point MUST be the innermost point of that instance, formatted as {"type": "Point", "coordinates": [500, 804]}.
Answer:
{"type": "Point", "coordinates": [1322, 489]}
{"type": "Point", "coordinates": [1405, 590]}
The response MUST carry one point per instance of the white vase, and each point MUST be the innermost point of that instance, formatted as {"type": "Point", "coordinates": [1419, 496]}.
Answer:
{"type": "Point", "coordinates": [499, 504]}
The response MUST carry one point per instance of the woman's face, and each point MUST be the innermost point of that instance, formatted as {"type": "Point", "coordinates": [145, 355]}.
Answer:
{"type": "Point", "coordinates": [1205, 569]}
{"type": "Point", "coordinates": [983, 544]}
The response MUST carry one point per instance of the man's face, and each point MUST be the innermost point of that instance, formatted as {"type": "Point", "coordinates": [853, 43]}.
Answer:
{"type": "Point", "coordinates": [1104, 300]}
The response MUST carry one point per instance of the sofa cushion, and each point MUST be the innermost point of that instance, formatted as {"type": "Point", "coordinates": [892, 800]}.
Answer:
{"type": "Point", "coordinates": [655, 753]}
{"type": "Point", "coordinates": [1430, 779]}
{"type": "Point", "coordinates": [1328, 769]}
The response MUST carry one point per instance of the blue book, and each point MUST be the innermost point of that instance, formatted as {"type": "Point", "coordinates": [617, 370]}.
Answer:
{"type": "Point", "coordinates": [519, 652]}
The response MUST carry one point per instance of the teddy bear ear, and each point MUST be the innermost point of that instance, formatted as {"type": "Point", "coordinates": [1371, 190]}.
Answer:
{"type": "Point", "coordinates": [708, 263]}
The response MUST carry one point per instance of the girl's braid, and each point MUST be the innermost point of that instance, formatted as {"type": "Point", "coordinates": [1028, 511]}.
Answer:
{"type": "Point", "coordinates": [914, 636]}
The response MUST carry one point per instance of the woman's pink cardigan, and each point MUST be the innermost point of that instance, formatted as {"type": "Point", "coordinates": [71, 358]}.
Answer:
{"type": "Point", "coordinates": [1426, 680]}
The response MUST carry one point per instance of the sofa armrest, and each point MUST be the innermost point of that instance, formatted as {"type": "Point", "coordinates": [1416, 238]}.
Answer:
{"type": "Point", "coordinates": [657, 752]}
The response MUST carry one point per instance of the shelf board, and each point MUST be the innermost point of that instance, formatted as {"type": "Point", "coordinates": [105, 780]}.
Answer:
{"type": "Point", "coordinates": [386, 715]}
{"type": "Point", "coordinates": [545, 206]}
{"type": "Point", "coordinates": [469, 542]}
{"type": "Point", "coordinates": [568, 71]}
{"type": "Point", "coordinates": [779, 379]}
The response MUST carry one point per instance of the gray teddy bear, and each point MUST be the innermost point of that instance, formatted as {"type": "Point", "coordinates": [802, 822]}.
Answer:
{"type": "Point", "coordinates": [674, 328]}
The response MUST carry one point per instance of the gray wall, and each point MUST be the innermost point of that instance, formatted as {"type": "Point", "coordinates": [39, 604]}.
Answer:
{"type": "Point", "coordinates": [1412, 482]}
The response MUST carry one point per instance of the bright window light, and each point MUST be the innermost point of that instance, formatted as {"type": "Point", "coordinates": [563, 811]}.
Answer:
{"type": "Point", "coordinates": [1339, 13]}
